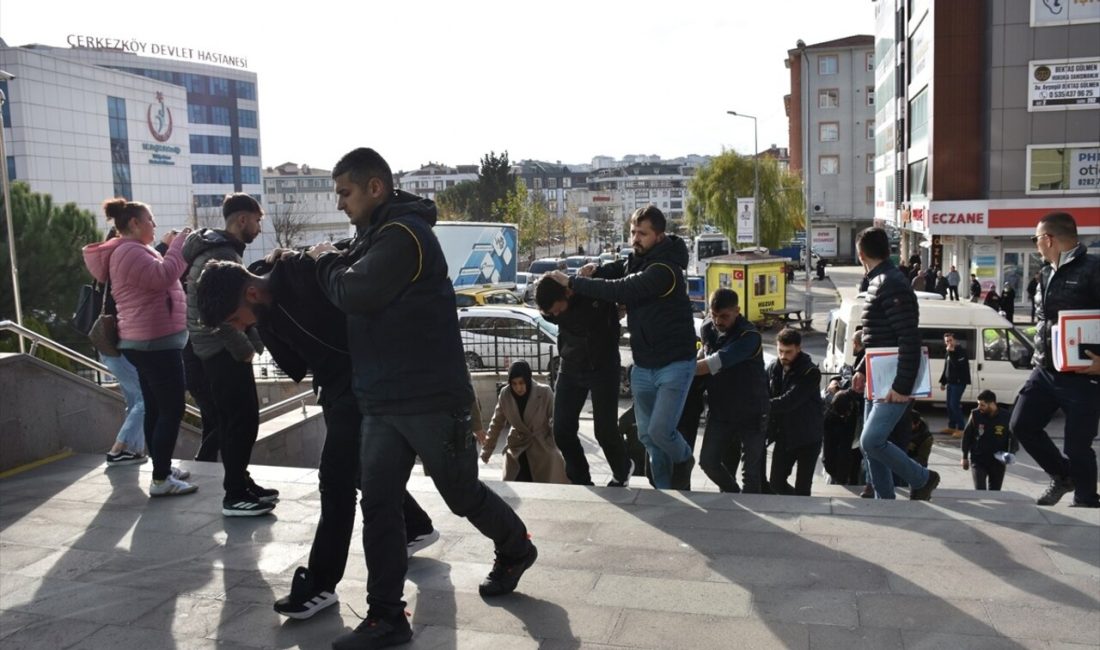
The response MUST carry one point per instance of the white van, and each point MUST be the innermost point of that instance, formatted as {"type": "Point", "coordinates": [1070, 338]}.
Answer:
{"type": "Point", "coordinates": [999, 354]}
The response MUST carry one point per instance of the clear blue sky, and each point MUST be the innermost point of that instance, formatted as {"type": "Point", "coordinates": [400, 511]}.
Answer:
{"type": "Point", "coordinates": [447, 81]}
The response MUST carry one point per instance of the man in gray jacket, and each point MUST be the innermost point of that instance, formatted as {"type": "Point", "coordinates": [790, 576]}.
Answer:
{"type": "Point", "coordinates": [226, 356]}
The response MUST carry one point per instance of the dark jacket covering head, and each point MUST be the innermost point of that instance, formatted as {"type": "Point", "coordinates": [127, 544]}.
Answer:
{"type": "Point", "coordinates": [201, 247]}
{"type": "Point", "coordinates": [659, 313]}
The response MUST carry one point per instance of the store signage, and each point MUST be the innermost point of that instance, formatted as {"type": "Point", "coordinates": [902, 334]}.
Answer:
{"type": "Point", "coordinates": [1056, 13]}
{"type": "Point", "coordinates": [1064, 84]}
{"type": "Point", "coordinates": [135, 46]}
{"type": "Point", "coordinates": [958, 218]}
{"type": "Point", "coordinates": [825, 241]}
{"type": "Point", "coordinates": [1084, 169]}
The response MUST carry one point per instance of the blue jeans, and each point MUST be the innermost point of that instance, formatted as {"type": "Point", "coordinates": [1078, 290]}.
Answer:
{"type": "Point", "coordinates": [955, 418]}
{"type": "Point", "coordinates": [132, 432]}
{"type": "Point", "coordinates": [659, 395]}
{"type": "Point", "coordinates": [883, 456]}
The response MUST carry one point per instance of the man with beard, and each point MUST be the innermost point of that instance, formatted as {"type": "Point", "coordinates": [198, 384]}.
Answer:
{"type": "Point", "coordinates": [307, 334]}
{"type": "Point", "coordinates": [796, 418]}
{"type": "Point", "coordinates": [226, 355]}
{"type": "Point", "coordinates": [409, 377]}
{"type": "Point", "coordinates": [662, 336]}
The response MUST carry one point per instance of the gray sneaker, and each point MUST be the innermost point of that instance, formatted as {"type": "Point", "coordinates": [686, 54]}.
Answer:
{"type": "Point", "coordinates": [1059, 487]}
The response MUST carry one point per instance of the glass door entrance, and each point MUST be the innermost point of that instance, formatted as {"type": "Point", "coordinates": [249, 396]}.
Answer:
{"type": "Point", "coordinates": [1017, 269]}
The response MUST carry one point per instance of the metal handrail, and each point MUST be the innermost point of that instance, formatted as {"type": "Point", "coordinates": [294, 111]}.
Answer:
{"type": "Point", "coordinates": [45, 341]}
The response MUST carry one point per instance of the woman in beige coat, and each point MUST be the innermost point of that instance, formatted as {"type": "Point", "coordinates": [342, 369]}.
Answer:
{"type": "Point", "coordinates": [529, 451]}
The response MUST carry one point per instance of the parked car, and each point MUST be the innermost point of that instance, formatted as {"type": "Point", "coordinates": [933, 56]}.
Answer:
{"type": "Point", "coordinates": [485, 296]}
{"type": "Point", "coordinates": [495, 336]}
{"type": "Point", "coordinates": [573, 263]}
{"type": "Point", "coordinates": [540, 266]}
{"type": "Point", "coordinates": [524, 286]}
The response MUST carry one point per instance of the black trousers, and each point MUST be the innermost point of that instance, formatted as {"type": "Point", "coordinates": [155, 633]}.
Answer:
{"type": "Point", "coordinates": [199, 387]}
{"type": "Point", "coordinates": [339, 480]}
{"type": "Point", "coordinates": [160, 373]}
{"type": "Point", "coordinates": [784, 460]}
{"type": "Point", "coordinates": [233, 387]}
{"type": "Point", "coordinates": [445, 444]}
{"type": "Point", "coordinates": [953, 290]}
{"type": "Point", "coordinates": [719, 457]}
{"type": "Point", "coordinates": [987, 475]}
{"type": "Point", "coordinates": [570, 392]}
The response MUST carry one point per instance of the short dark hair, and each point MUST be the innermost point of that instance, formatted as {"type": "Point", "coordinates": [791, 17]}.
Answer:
{"type": "Point", "coordinates": [987, 396]}
{"type": "Point", "coordinates": [363, 164]}
{"type": "Point", "coordinates": [650, 213]}
{"type": "Point", "coordinates": [239, 202]}
{"type": "Point", "coordinates": [1060, 225]}
{"type": "Point", "coordinates": [547, 292]}
{"type": "Point", "coordinates": [788, 336]}
{"type": "Point", "coordinates": [915, 416]}
{"type": "Point", "coordinates": [219, 290]}
{"type": "Point", "coordinates": [723, 299]}
{"type": "Point", "coordinates": [874, 243]}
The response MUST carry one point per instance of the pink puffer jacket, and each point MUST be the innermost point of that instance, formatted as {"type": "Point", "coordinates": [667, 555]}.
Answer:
{"type": "Point", "coordinates": [146, 286]}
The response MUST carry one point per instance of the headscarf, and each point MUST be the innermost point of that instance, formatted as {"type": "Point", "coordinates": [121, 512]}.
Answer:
{"type": "Point", "coordinates": [520, 370]}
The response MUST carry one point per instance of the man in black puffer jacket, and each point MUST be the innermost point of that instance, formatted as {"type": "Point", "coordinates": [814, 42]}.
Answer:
{"type": "Point", "coordinates": [1070, 279]}
{"type": "Point", "coordinates": [410, 379]}
{"type": "Point", "coordinates": [796, 421]}
{"type": "Point", "coordinates": [662, 336]}
{"type": "Point", "coordinates": [890, 320]}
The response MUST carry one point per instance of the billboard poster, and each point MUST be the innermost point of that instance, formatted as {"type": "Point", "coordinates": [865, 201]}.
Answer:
{"type": "Point", "coordinates": [1058, 13]}
{"type": "Point", "coordinates": [1064, 84]}
{"type": "Point", "coordinates": [825, 241]}
{"type": "Point", "coordinates": [746, 221]}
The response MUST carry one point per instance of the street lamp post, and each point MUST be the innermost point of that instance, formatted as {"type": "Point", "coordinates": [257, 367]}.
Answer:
{"type": "Point", "coordinates": [4, 76]}
{"type": "Point", "coordinates": [755, 180]}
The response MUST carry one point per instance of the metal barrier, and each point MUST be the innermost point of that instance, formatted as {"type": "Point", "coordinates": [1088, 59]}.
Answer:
{"type": "Point", "coordinates": [98, 369]}
{"type": "Point", "coordinates": [495, 348]}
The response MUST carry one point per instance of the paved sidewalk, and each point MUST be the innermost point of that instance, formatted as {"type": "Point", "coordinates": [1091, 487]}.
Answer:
{"type": "Point", "coordinates": [88, 561]}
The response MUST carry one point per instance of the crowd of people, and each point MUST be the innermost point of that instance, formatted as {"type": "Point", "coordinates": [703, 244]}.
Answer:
{"type": "Point", "coordinates": [372, 319]}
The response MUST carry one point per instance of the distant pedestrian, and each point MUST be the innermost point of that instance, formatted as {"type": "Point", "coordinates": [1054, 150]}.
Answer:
{"type": "Point", "coordinates": [917, 283]}
{"type": "Point", "coordinates": [1070, 279]}
{"type": "Point", "coordinates": [953, 381]}
{"type": "Point", "coordinates": [975, 288]}
{"type": "Point", "coordinates": [1008, 302]}
{"type": "Point", "coordinates": [992, 300]}
{"type": "Point", "coordinates": [987, 438]}
{"type": "Point", "coordinates": [1032, 287]}
{"type": "Point", "coordinates": [953, 280]}
{"type": "Point", "coordinates": [525, 407]}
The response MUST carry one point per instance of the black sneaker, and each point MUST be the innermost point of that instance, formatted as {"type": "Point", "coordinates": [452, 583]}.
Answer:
{"type": "Point", "coordinates": [376, 633]}
{"type": "Point", "coordinates": [1080, 504]}
{"type": "Point", "coordinates": [506, 574]}
{"type": "Point", "coordinates": [924, 493]}
{"type": "Point", "coordinates": [418, 543]}
{"type": "Point", "coordinates": [1059, 487]}
{"type": "Point", "coordinates": [614, 482]}
{"type": "Point", "coordinates": [125, 457]}
{"type": "Point", "coordinates": [245, 506]}
{"type": "Point", "coordinates": [265, 495]}
{"type": "Point", "coordinates": [304, 600]}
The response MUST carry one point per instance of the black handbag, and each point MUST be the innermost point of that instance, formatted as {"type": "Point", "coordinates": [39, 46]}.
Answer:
{"type": "Point", "coordinates": [88, 307]}
{"type": "Point", "coordinates": [104, 332]}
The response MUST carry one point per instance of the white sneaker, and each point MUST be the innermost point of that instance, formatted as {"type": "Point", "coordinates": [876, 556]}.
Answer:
{"type": "Point", "coordinates": [170, 487]}
{"type": "Point", "coordinates": [180, 474]}
{"type": "Point", "coordinates": [421, 542]}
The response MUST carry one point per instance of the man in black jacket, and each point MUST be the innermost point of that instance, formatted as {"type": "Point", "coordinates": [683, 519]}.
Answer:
{"type": "Point", "coordinates": [795, 419]}
{"type": "Point", "coordinates": [588, 340]}
{"type": "Point", "coordinates": [410, 379]}
{"type": "Point", "coordinates": [988, 432]}
{"type": "Point", "coordinates": [732, 360]}
{"type": "Point", "coordinates": [1070, 279]}
{"type": "Point", "coordinates": [890, 319]}
{"type": "Point", "coordinates": [953, 381]}
{"type": "Point", "coordinates": [305, 333]}
{"type": "Point", "coordinates": [662, 336]}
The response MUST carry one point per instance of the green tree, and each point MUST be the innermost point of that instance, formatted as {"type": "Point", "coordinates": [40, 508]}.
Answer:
{"type": "Point", "coordinates": [715, 188]}
{"type": "Point", "coordinates": [459, 202]}
{"type": "Point", "coordinates": [530, 215]}
{"type": "Point", "coordinates": [495, 182]}
{"type": "Point", "coordinates": [51, 268]}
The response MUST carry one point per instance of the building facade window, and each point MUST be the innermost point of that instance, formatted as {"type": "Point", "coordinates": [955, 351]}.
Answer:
{"type": "Point", "coordinates": [250, 175]}
{"type": "Point", "coordinates": [870, 59]}
{"type": "Point", "coordinates": [6, 110]}
{"type": "Point", "coordinates": [828, 98]}
{"type": "Point", "coordinates": [918, 118]}
{"type": "Point", "coordinates": [870, 129]}
{"type": "Point", "coordinates": [250, 147]}
{"type": "Point", "coordinates": [120, 147]}
{"type": "Point", "coordinates": [870, 198]}
{"type": "Point", "coordinates": [870, 95]}
{"type": "Point", "coordinates": [246, 90]}
{"type": "Point", "coordinates": [221, 174]}
{"type": "Point", "coordinates": [828, 165]}
{"type": "Point", "coordinates": [870, 164]}
{"type": "Point", "coordinates": [219, 87]}
{"type": "Point", "coordinates": [11, 167]}
{"type": "Point", "coordinates": [828, 131]}
{"type": "Point", "coordinates": [1063, 169]}
{"type": "Point", "coordinates": [827, 64]}
{"type": "Point", "coordinates": [246, 118]}
{"type": "Point", "coordinates": [208, 200]}
{"type": "Point", "coordinates": [918, 180]}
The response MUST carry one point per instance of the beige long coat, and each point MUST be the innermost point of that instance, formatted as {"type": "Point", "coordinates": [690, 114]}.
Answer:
{"type": "Point", "coordinates": [530, 433]}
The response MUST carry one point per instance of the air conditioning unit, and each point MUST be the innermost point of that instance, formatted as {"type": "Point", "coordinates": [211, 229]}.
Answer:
{"type": "Point", "coordinates": [818, 208]}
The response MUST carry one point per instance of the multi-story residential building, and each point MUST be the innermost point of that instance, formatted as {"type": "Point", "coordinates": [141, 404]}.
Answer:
{"type": "Point", "coordinates": [97, 120]}
{"type": "Point", "coordinates": [614, 193]}
{"type": "Point", "coordinates": [831, 117]}
{"type": "Point", "coordinates": [433, 178]}
{"type": "Point", "coordinates": [552, 182]}
{"type": "Point", "coordinates": [301, 206]}
{"type": "Point", "coordinates": [989, 118]}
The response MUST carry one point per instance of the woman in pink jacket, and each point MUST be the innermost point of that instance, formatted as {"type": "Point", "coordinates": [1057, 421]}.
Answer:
{"type": "Point", "coordinates": [152, 327]}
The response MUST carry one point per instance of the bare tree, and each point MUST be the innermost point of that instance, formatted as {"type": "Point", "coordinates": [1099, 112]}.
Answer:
{"type": "Point", "coordinates": [289, 223]}
{"type": "Point", "coordinates": [206, 217]}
